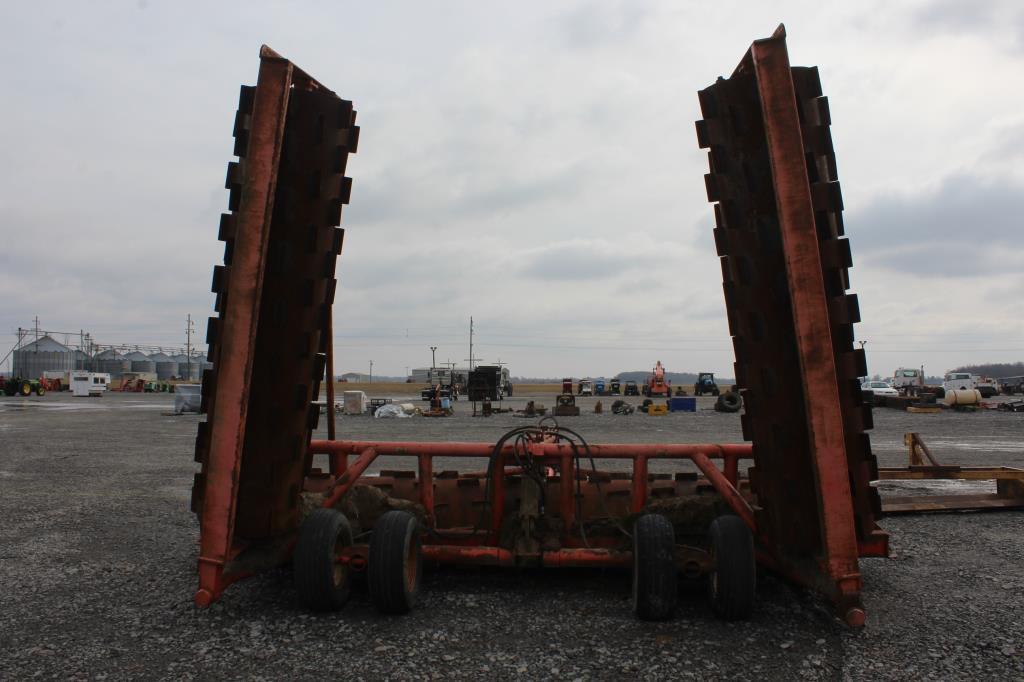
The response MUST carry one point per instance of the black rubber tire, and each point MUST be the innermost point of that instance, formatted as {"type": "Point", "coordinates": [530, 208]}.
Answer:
{"type": "Point", "coordinates": [733, 581]}
{"type": "Point", "coordinates": [655, 583]}
{"type": "Point", "coordinates": [729, 402]}
{"type": "Point", "coordinates": [322, 583]}
{"type": "Point", "coordinates": [395, 567]}
{"type": "Point", "coordinates": [940, 392]}
{"type": "Point", "coordinates": [40, 390]}
{"type": "Point", "coordinates": [714, 391]}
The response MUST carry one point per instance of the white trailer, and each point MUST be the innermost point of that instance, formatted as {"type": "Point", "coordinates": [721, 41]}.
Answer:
{"type": "Point", "coordinates": [88, 384]}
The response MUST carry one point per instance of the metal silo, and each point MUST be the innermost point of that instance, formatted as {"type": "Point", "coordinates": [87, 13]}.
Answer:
{"type": "Point", "coordinates": [165, 365]}
{"type": "Point", "coordinates": [188, 370]}
{"type": "Point", "coordinates": [42, 355]}
{"type": "Point", "coordinates": [82, 360]}
{"type": "Point", "coordinates": [140, 362]}
{"type": "Point", "coordinates": [113, 363]}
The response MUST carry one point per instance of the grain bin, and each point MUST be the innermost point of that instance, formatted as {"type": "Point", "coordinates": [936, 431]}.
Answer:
{"type": "Point", "coordinates": [113, 363]}
{"type": "Point", "coordinates": [165, 366]}
{"type": "Point", "coordinates": [140, 362]}
{"type": "Point", "coordinates": [82, 360]}
{"type": "Point", "coordinates": [42, 355]}
{"type": "Point", "coordinates": [189, 369]}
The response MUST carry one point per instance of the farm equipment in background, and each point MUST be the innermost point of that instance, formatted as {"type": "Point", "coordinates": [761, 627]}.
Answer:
{"type": "Point", "coordinates": [630, 388]}
{"type": "Point", "coordinates": [443, 377]}
{"type": "Point", "coordinates": [1011, 385]}
{"type": "Point", "coordinates": [158, 387]}
{"type": "Point", "coordinates": [52, 385]}
{"type": "Point", "coordinates": [132, 385]}
{"type": "Point", "coordinates": [705, 384]}
{"type": "Point", "coordinates": [267, 493]}
{"type": "Point", "coordinates": [655, 384]}
{"type": "Point", "coordinates": [567, 385]}
{"type": "Point", "coordinates": [21, 386]}
{"type": "Point", "coordinates": [987, 386]}
{"type": "Point", "coordinates": [488, 382]}
{"type": "Point", "coordinates": [600, 387]}
{"type": "Point", "coordinates": [431, 392]}
{"type": "Point", "coordinates": [615, 387]}
{"type": "Point", "coordinates": [586, 387]}
{"type": "Point", "coordinates": [565, 406]}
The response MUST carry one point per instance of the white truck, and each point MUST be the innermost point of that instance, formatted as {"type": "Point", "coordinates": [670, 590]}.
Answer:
{"type": "Point", "coordinates": [88, 384]}
{"type": "Point", "coordinates": [908, 380]}
{"type": "Point", "coordinates": [958, 381]}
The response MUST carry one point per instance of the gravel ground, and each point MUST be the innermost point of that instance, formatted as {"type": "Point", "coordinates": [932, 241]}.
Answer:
{"type": "Point", "coordinates": [98, 554]}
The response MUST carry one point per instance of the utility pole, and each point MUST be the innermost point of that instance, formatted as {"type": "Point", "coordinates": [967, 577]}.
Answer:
{"type": "Point", "coordinates": [371, 371]}
{"type": "Point", "coordinates": [471, 343]}
{"type": "Point", "coordinates": [188, 346]}
{"type": "Point", "coordinates": [37, 328]}
{"type": "Point", "coordinates": [433, 357]}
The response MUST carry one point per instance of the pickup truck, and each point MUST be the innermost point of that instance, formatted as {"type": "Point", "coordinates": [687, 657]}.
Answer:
{"type": "Point", "coordinates": [958, 381]}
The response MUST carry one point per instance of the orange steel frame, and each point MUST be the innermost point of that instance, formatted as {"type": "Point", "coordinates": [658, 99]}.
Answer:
{"type": "Point", "coordinates": [481, 546]}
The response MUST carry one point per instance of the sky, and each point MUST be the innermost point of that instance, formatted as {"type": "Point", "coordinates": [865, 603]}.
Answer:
{"type": "Point", "coordinates": [533, 165]}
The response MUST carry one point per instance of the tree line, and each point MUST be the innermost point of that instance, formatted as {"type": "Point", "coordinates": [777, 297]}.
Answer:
{"type": "Point", "coordinates": [995, 369]}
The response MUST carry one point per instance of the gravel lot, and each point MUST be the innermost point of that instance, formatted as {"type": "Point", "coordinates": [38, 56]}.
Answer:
{"type": "Point", "coordinates": [98, 554]}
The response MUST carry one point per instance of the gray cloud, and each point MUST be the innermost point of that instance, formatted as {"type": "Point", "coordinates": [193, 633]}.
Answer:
{"type": "Point", "coordinates": [589, 24]}
{"type": "Point", "coordinates": [988, 20]}
{"type": "Point", "coordinates": [948, 231]}
{"type": "Point", "coordinates": [530, 164]}
{"type": "Point", "coordinates": [586, 260]}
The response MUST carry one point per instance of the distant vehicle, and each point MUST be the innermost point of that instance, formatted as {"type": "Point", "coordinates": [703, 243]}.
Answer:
{"type": "Point", "coordinates": [879, 388]}
{"type": "Point", "coordinates": [21, 386]}
{"type": "Point", "coordinates": [986, 386]}
{"type": "Point", "coordinates": [586, 387]}
{"type": "Point", "coordinates": [705, 384]}
{"type": "Point", "coordinates": [656, 383]}
{"type": "Point", "coordinates": [430, 392]}
{"type": "Point", "coordinates": [1011, 385]}
{"type": "Point", "coordinates": [490, 382]}
{"type": "Point", "coordinates": [907, 379]}
{"type": "Point", "coordinates": [958, 381]}
{"type": "Point", "coordinates": [631, 388]}
{"type": "Point", "coordinates": [614, 387]}
{"type": "Point", "coordinates": [599, 386]}
{"type": "Point", "coordinates": [567, 385]}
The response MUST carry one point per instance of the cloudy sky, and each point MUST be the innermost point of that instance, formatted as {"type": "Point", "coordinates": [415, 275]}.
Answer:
{"type": "Point", "coordinates": [533, 165]}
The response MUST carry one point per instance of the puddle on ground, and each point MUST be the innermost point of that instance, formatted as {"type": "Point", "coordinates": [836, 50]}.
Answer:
{"type": "Point", "coordinates": [936, 487]}
{"type": "Point", "coordinates": [80, 405]}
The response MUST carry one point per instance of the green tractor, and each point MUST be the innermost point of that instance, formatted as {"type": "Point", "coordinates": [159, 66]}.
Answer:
{"type": "Point", "coordinates": [705, 384]}
{"type": "Point", "coordinates": [18, 386]}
